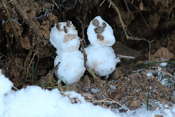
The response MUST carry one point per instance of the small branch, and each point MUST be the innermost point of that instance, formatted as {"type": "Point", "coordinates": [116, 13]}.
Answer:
{"type": "Point", "coordinates": [92, 73]}
{"type": "Point", "coordinates": [124, 27]}
{"type": "Point", "coordinates": [126, 4]}
{"type": "Point", "coordinates": [126, 57]}
{"type": "Point", "coordinates": [83, 45]}
{"type": "Point", "coordinates": [102, 3]}
{"type": "Point", "coordinates": [108, 100]}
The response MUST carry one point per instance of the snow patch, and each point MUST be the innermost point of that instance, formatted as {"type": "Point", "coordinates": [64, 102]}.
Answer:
{"type": "Point", "coordinates": [34, 101]}
{"type": "Point", "coordinates": [5, 84]}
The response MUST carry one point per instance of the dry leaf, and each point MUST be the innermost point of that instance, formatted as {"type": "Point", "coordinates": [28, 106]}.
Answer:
{"type": "Point", "coordinates": [135, 104]}
{"type": "Point", "coordinates": [69, 37]}
{"type": "Point", "coordinates": [162, 53]}
{"type": "Point", "coordinates": [25, 43]}
{"type": "Point", "coordinates": [100, 37]}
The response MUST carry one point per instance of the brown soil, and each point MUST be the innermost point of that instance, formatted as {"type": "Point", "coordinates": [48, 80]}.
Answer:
{"type": "Point", "coordinates": [144, 29]}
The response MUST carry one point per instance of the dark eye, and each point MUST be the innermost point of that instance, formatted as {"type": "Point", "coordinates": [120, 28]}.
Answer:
{"type": "Point", "coordinates": [65, 29]}
{"type": "Point", "coordinates": [68, 23]}
{"type": "Point", "coordinates": [95, 22]}
{"type": "Point", "coordinates": [104, 25]}
{"type": "Point", "coordinates": [58, 26]}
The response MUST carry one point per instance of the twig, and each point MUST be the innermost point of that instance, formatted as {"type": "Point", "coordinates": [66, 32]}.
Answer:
{"type": "Point", "coordinates": [102, 3]}
{"type": "Point", "coordinates": [15, 88]}
{"type": "Point", "coordinates": [55, 4]}
{"type": "Point", "coordinates": [126, 4]}
{"type": "Point", "coordinates": [124, 27]}
{"type": "Point", "coordinates": [83, 45]}
{"type": "Point", "coordinates": [107, 100]}
{"type": "Point", "coordinates": [126, 57]}
{"type": "Point", "coordinates": [92, 73]}
{"type": "Point", "coordinates": [8, 14]}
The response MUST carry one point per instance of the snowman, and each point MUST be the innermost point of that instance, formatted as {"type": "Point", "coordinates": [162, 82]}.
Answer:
{"type": "Point", "coordinates": [69, 60]}
{"type": "Point", "coordinates": [100, 55]}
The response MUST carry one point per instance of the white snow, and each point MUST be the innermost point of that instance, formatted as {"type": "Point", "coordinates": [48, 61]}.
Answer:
{"type": "Point", "coordinates": [101, 59]}
{"type": "Point", "coordinates": [100, 55]}
{"type": "Point", "coordinates": [163, 64]}
{"type": "Point", "coordinates": [5, 84]}
{"type": "Point", "coordinates": [5, 87]}
{"type": "Point", "coordinates": [69, 60]}
{"type": "Point", "coordinates": [149, 74]}
{"type": "Point", "coordinates": [34, 101]}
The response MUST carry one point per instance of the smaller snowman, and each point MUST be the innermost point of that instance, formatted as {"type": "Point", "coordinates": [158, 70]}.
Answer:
{"type": "Point", "coordinates": [100, 55]}
{"type": "Point", "coordinates": [69, 60]}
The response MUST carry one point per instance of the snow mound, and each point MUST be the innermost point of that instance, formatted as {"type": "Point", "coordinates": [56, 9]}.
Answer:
{"type": "Point", "coordinates": [5, 84]}
{"type": "Point", "coordinates": [34, 101]}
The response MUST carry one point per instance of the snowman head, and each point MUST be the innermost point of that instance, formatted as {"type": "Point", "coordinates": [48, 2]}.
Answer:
{"type": "Point", "coordinates": [100, 32]}
{"type": "Point", "coordinates": [64, 37]}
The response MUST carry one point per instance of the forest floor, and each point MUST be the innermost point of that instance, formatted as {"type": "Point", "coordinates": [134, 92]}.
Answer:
{"type": "Point", "coordinates": [145, 35]}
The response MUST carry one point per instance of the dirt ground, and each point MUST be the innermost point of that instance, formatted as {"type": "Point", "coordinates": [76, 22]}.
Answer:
{"type": "Point", "coordinates": [145, 34]}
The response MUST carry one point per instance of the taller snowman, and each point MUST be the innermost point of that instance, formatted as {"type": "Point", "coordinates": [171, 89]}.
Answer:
{"type": "Point", "coordinates": [100, 54]}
